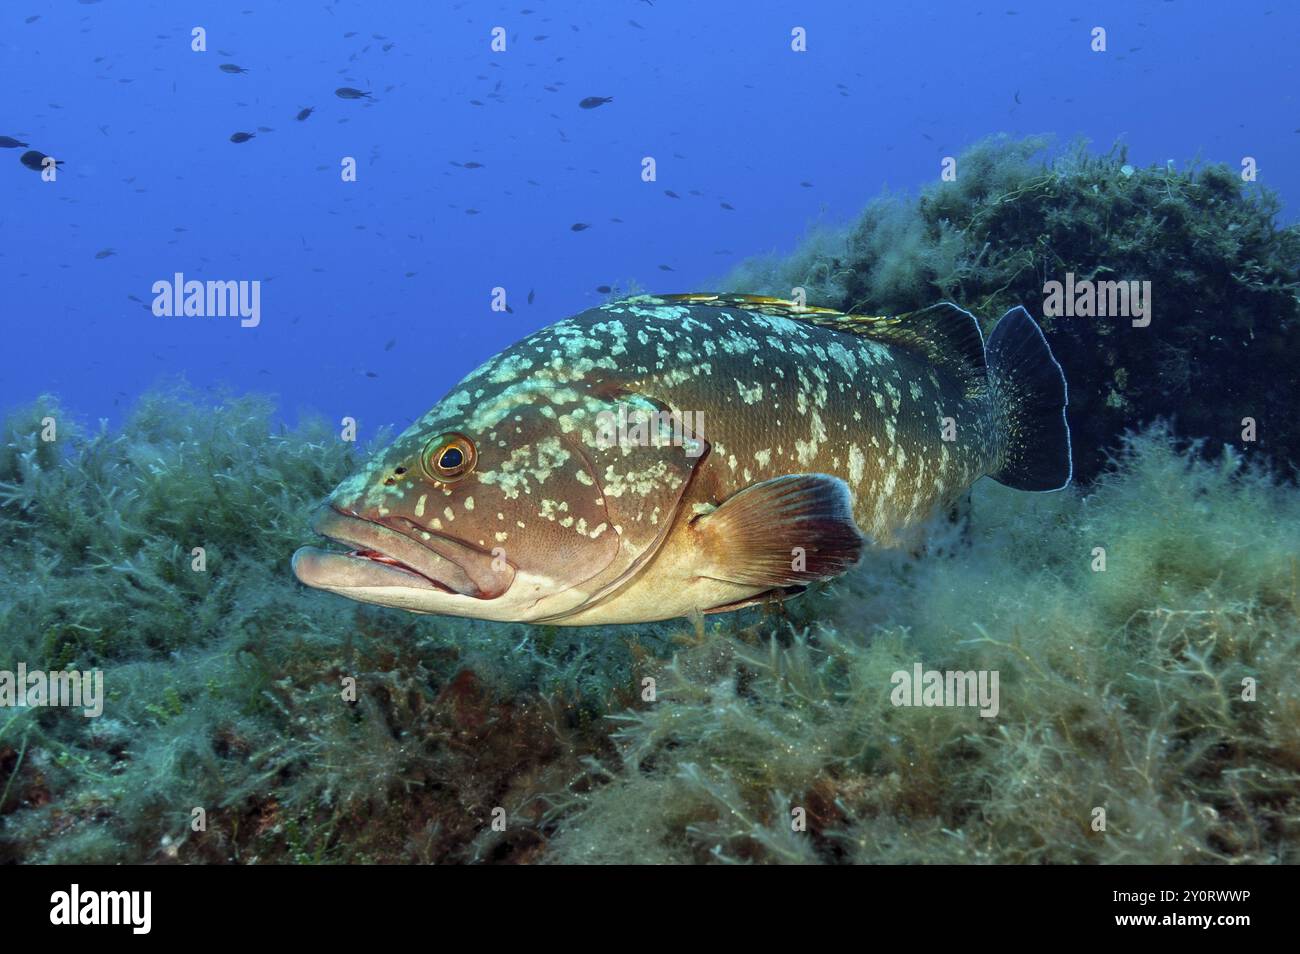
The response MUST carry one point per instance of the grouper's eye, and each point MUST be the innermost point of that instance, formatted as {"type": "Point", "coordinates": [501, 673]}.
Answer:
{"type": "Point", "coordinates": [449, 457]}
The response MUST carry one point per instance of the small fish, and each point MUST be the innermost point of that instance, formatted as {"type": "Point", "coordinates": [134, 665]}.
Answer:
{"type": "Point", "coordinates": [604, 289]}
{"type": "Point", "coordinates": [728, 206]}
{"type": "Point", "coordinates": [231, 68]}
{"type": "Point", "coordinates": [591, 102]}
{"type": "Point", "coordinates": [472, 165]}
{"type": "Point", "coordinates": [265, 129]}
{"type": "Point", "coordinates": [8, 143]}
{"type": "Point", "coordinates": [347, 92]}
{"type": "Point", "coordinates": [579, 227]}
{"type": "Point", "coordinates": [391, 343]}
{"type": "Point", "coordinates": [671, 194]}
{"type": "Point", "coordinates": [665, 268]}
{"type": "Point", "coordinates": [242, 136]}
{"type": "Point", "coordinates": [531, 295]}
{"type": "Point", "coordinates": [105, 253]}
{"type": "Point", "coordinates": [305, 112]}
{"type": "Point", "coordinates": [546, 488]}
{"type": "Point", "coordinates": [34, 159]}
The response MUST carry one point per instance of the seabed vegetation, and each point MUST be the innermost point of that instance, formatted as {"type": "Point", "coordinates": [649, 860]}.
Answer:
{"type": "Point", "coordinates": [310, 729]}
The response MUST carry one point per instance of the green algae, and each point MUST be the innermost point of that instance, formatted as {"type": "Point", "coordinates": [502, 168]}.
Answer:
{"type": "Point", "coordinates": [1121, 689]}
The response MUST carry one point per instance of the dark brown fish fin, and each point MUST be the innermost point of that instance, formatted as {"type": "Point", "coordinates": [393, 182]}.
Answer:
{"type": "Point", "coordinates": [944, 334]}
{"type": "Point", "coordinates": [1029, 397]}
{"type": "Point", "coordinates": [788, 531]}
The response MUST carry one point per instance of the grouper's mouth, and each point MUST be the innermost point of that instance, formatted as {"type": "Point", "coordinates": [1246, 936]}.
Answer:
{"type": "Point", "coordinates": [396, 554]}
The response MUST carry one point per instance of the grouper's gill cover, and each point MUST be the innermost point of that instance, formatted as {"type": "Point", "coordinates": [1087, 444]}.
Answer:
{"type": "Point", "coordinates": [806, 433]}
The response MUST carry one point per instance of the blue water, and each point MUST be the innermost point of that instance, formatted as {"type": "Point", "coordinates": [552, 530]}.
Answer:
{"type": "Point", "coordinates": [711, 90]}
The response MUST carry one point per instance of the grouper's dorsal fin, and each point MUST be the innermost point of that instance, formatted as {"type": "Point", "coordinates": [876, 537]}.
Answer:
{"type": "Point", "coordinates": [759, 303]}
{"type": "Point", "coordinates": [944, 334]}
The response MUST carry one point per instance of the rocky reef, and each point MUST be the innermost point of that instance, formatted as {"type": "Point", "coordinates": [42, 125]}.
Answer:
{"type": "Point", "coordinates": [1222, 342]}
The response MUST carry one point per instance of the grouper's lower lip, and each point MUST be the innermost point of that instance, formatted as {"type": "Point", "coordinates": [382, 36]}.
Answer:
{"type": "Point", "coordinates": [382, 557]}
{"type": "Point", "coordinates": [358, 569]}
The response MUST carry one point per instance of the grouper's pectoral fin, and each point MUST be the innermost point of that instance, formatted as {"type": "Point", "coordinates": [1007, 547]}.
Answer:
{"type": "Point", "coordinates": [784, 532]}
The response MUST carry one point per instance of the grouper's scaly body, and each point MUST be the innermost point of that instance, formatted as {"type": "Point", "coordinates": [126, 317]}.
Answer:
{"type": "Point", "coordinates": [806, 433]}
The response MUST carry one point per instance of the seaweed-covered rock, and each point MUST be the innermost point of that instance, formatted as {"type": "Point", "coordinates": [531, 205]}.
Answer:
{"type": "Point", "coordinates": [1223, 343]}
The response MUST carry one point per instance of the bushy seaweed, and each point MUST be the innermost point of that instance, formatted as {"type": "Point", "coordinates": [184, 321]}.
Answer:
{"type": "Point", "coordinates": [1121, 689]}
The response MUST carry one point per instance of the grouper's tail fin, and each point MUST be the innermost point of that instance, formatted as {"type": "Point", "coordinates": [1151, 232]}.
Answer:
{"type": "Point", "coordinates": [1029, 398]}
